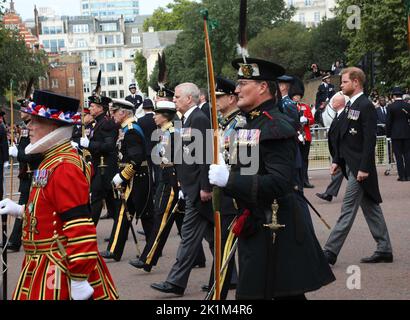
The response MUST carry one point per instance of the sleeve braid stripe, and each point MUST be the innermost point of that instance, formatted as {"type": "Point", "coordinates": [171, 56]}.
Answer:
{"type": "Point", "coordinates": [128, 172]}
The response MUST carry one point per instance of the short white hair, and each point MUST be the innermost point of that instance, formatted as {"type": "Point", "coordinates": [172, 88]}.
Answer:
{"type": "Point", "coordinates": [190, 89]}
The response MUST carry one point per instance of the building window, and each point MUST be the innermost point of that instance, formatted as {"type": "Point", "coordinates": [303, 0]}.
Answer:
{"type": "Point", "coordinates": [102, 67]}
{"type": "Point", "coordinates": [87, 88]}
{"type": "Point", "coordinates": [110, 54]}
{"type": "Point", "coordinates": [113, 94]}
{"type": "Point", "coordinates": [61, 44]}
{"type": "Point", "coordinates": [112, 81]}
{"type": "Point", "coordinates": [120, 80]}
{"type": "Point", "coordinates": [290, 3]}
{"type": "Point", "coordinates": [46, 30]}
{"type": "Point", "coordinates": [81, 43]}
{"type": "Point", "coordinates": [111, 67]}
{"type": "Point", "coordinates": [308, 2]}
{"type": "Point", "coordinates": [317, 17]}
{"type": "Point", "coordinates": [80, 28]}
{"type": "Point", "coordinates": [122, 94]}
{"type": "Point", "coordinates": [102, 81]}
{"type": "Point", "coordinates": [54, 83]}
{"type": "Point", "coordinates": [135, 30]}
{"type": "Point", "coordinates": [104, 93]}
{"type": "Point", "coordinates": [302, 18]}
{"type": "Point", "coordinates": [135, 39]}
{"type": "Point", "coordinates": [46, 44]}
{"type": "Point", "coordinates": [118, 53]}
{"type": "Point", "coordinates": [71, 82]}
{"type": "Point", "coordinates": [119, 66]}
{"type": "Point", "coordinates": [118, 39]}
{"type": "Point", "coordinates": [108, 27]}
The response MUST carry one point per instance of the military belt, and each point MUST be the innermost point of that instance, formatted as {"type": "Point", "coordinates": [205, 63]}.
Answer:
{"type": "Point", "coordinates": [42, 246]}
{"type": "Point", "coordinates": [123, 165]}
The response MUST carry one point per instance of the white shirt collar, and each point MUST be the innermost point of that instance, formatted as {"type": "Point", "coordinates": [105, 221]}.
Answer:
{"type": "Point", "coordinates": [188, 113]}
{"type": "Point", "coordinates": [354, 98]}
{"type": "Point", "coordinates": [201, 105]}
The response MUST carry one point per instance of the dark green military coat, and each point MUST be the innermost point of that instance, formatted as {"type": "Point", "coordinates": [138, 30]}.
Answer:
{"type": "Point", "coordinates": [294, 264]}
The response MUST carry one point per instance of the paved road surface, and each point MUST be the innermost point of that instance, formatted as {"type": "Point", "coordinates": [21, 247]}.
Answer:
{"type": "Point", "coordinates": [377, 281]}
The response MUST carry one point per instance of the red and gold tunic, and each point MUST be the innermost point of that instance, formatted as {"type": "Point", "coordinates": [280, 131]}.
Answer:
{"type": "Point", "coordinates": [59, 236]}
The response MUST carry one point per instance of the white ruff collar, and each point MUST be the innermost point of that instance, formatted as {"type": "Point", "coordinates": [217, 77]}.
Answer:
{"type": "Point", "coordinates": [49, 141]}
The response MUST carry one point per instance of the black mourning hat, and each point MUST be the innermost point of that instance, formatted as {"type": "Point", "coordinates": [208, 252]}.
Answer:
{"type": "Point", "coordinates": [224, 86]}
{"type": "Point", "coordinates": [397, 91]}
{"type": "Point", "coordinates": [122, 104]}
{"type": "Point", "coordinates": [100, 100]}
{"type": "Point", "coordinates": [285, 78]}
{"type": "Point", "coordinates": [147, 104]}
{"type": "Point", "coordinates": [297, 88]}
{"type": "Point", "coordinates": [257, 69]}
{"type": "Point", "coordinates": [56, 107]}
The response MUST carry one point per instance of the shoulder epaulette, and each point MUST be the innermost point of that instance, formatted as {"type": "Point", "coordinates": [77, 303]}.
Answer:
{"type": "Point", "coordinates": [136, 127]}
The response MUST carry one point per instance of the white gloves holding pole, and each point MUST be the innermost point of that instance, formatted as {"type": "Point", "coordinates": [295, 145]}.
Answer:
{"type": "Point", "coordinates": [11, 208]}
{"type": "Point", "coordinates": [219, 173]}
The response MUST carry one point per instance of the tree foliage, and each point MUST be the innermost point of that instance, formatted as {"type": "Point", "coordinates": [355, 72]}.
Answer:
{"type": "Point", "coordinates": [141, 72]}
{"type": "Point", "coordinates": [327, 43]}
{"type": "Point", "coordinates": [18, 63]}
{"type": "Point", "coordinates": [168, 18]}
{"type": "Point", "coordinates": [186, 59]}
{"type": "Point", "coordinates": [383, 32]}
{"type": "Point", "coordinates": [287, 44]}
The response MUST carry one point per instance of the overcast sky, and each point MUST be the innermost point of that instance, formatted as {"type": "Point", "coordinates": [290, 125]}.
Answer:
{"type": "Point", "coordinates": [72, 7]}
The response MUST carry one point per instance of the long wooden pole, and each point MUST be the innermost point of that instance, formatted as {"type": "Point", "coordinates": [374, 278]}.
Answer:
{"type": "Point", "coordinates": [216, 190]}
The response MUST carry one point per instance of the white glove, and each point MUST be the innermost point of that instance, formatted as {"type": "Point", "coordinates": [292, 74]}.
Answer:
{"type": "Point", "coordinates": [219, 173]}
{"type": "Point", "coordinates": [303, 119]}
{"type": "Point", "coordinates": [81, 290]}
{"type": "Point", "coordinates": [6, 164]}
{"type": "Point", "coordinates": [181, 195]}
{"type": "Point", "coordinates": [301, 138]}
{"type": "Point", "coordinates": [13, 151]}
{"type": "Point", "coordinates": [84, 142]}
{"type": "Point", "coordinates": [8, 206]}
{"type": "Point", "coordinates": [74, 144]}
{"type": "Point", "coordinates": [117, 180]}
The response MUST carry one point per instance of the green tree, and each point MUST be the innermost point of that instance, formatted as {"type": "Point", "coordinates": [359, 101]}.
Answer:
{"type": "Point", "coordinates": [168, 18]}
{"type": "Point", "coordinates": [186, 59]}
{"type": "Point", "coordinates": [141, 72]}
{"type": "Point", "coordinates": [18, 63]}
{"type": "Point", "coordinates": [382, 32]}
{"type": "Point", "coordinates": [288, 44]}
{"type": "Point", "coordinates": [327, 43]}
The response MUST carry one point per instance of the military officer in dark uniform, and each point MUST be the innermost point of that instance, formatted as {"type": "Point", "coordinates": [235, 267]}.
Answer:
{"type": "Point", "coordinates": [230, 122]}
{"type": "Point", "coordinates": [398, 129]}
{"type": "Point", "coordinates": [133, 179]}
{"type": "Point", "coordinates": [134, 98]}
{"type": "Point", "coordinates": [102, 146]}
{"type": "Point", "coordinates": [27, 164]}
{"type": "Point", "coordinates": [89, 124]}
{"type": "Point", "coordinates": [279, 255]}
{"type": "Point", "coordinates": [167, 191]}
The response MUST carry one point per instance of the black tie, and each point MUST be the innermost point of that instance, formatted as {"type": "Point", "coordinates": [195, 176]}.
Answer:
{"type": "Point", "coordinates": [348, 105]}
{"type": "Point", "coordinates": [183, 120]}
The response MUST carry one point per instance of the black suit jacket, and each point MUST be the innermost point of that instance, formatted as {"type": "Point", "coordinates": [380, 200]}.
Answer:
{"type": "Point", "coordinates": [333, 135]}
{"type": "Point", "coordinates": [4, 145]}
{"type": "Point", "coordinates": [136, 101]}
{"type": "Point", "coordinates": [194, 176]}
{"type": "Point", "coordinates": [324, 93]}
{"type": "Point", "coordinates": [381, 120]}
{"type": "Point", "coordinates": [397, 125]}
{"type": "Point", "coordinates": [356, 144]}
{"type": "Point", "coordinates": [206, 109]}
{"type": "Point", "coordinates": [148, 125]}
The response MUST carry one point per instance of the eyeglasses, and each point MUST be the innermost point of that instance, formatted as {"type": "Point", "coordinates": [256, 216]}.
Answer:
{"type": "Point", "coordinates": [242, 84]}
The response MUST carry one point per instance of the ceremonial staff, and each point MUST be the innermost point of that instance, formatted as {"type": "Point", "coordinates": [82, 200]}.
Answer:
{"type": "Point", "coordinates": [4, 217]}
{"type": "Point", "coordinates": [216, 190]}
{"type": "Point", "coordinates": [407, 4]}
